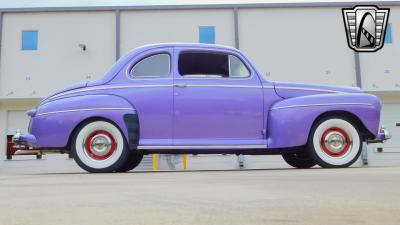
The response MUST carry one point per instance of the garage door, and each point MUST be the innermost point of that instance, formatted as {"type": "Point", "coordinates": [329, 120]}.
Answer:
{"type": "Point", "coordinates": [17, 120]}
{"type": "Point", "coordinates": [388, 153]}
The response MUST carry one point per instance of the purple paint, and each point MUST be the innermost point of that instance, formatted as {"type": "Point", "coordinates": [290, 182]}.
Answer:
{"type": "Point", "coordinates": [209, 111]}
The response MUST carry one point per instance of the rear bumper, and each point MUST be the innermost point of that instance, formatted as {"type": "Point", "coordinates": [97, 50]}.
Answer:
{"type": "Point", "coordinates": [382, 136]}
{"type": "Point", "coordinates": [24, 139]}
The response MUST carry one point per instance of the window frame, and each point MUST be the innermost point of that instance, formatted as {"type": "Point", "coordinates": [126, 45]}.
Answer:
{"type": "Point", "coordinates": [229, 64]}
{"type": "Point", "coordinates": [132, 65]}
{"type": "Point", "coordinates": [212, 76]}
{"type": "Point", "coordinates": [22, 40]}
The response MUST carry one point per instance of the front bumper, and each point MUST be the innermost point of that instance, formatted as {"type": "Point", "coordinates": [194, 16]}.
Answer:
{"type": "Point", "coordinates": [27, 140]}
{"type": "Point", "coordinates": [382, 136]}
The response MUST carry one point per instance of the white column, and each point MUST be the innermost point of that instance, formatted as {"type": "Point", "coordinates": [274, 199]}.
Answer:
{"type": "Point", "coordinates": [3, 132]}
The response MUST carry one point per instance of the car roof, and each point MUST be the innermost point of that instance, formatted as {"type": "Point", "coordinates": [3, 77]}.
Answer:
{"type": "Point", "coordinates": [185, 45]}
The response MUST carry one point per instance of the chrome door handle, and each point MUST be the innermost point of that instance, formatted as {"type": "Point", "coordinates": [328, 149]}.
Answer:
{"type": "Point", "coordinates": [180, 85]}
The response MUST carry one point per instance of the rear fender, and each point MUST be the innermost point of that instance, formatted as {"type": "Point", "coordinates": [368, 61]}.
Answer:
{"type": "Point", "coordinates": [290, 120]}
{"type": "Point", "coordinates": [54, 122]}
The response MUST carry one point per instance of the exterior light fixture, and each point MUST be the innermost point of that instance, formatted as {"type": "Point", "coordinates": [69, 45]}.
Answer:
{"type": "Point", "coordinates": [82, 46]}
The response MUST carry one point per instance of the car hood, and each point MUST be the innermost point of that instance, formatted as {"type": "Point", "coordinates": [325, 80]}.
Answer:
{"type": "Point", "coordinates": [290, 90]}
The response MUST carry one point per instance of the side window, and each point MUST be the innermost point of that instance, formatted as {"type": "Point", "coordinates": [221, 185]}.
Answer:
{"type": "Point", "coordinates": [152, 66]}
{"type": "Point", "coordinates": [237, 67]}
{"type": "Point", "coordinates": [204, 64]}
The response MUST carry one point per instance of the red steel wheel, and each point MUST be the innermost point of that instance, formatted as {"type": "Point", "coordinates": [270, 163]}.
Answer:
{"type": "Point", "coordinates": [335, 142]}
{"type": "Point", "coordinates": [100, 145]}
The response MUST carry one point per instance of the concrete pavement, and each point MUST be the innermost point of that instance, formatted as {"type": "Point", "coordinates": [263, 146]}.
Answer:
{"type": "Point", "coordinates": [30, 194]}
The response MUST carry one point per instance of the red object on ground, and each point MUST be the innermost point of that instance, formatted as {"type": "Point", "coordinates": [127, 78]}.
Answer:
{"type": "Point", "coordinates": [11, 149]}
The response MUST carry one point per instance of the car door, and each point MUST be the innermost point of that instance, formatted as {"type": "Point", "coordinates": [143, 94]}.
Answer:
{"type": "Point", "coordinates": [213, 104]}
{"type": "Point", "coordinates": [151, 93]}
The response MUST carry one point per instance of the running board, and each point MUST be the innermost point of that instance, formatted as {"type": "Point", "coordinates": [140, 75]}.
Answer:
{"type": "Point", "coordinates": [194, 147]}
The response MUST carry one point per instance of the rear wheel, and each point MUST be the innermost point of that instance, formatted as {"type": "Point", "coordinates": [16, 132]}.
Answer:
{"type": "Point", "coordinates": [335, 142]}
{"type": "Point", "coordinates": [300, 160]}
{"type": "Point", "coordinates": [100, 147]}
{"type": "Point", "coordinates": [132, 162]}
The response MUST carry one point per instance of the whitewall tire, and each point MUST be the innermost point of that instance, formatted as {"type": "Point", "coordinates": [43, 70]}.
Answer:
{"type": "Point", "coordinates": [335, 142]}
{"type": "Point", "coordinates": [99, 146]}
{"type": "Point", "coordinates": [300, 159]}
{"type": "Point", "coordinates": [132, 162]}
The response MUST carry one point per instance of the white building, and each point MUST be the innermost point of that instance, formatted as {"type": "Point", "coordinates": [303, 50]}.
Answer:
{"type": "Point", "coordinates": [42, 49]}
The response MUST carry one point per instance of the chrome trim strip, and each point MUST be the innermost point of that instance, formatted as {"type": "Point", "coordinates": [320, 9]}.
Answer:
{"type": "Point", "coordinates": [78, 110]}
{"type": "Point", "coordinates": [201, 76]}
{"type": "Point", "coordinates": [308, 89]}
{"type": "Point", "coordinates": [104, 87]}
{"type": "Point", "coordinates": [167, 77]}
{"type": "Point", "coordinates": [324, 104]}
{"type": "Point", "coordinates": [213, 77]}
{"type": "Point", "coordinates": [152, 86]}
{"type": "Point", "coordinates": [190, 147]}
{"type": "Point", "coordinates": [224, 86]}
{"type": "Point", "coordinates": [268, 87]}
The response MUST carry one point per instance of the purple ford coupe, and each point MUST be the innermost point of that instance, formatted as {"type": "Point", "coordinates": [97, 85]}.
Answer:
{"type": "Point", "coordinates": [198, 98]}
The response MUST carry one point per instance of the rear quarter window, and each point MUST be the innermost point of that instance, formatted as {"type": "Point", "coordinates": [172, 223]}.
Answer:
{"type": "Point", "coordinates": [152, 66]}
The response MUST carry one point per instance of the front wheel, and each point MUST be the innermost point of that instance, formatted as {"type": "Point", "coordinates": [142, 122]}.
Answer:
{"type": "Point", "coordinates": [335, 142]}
{"type": "Point", "coordinates": [99, 147]}
{"type": "Point", "coordinates": [300, 160]}
{"type": "Point", "coordinates": [132, 162]}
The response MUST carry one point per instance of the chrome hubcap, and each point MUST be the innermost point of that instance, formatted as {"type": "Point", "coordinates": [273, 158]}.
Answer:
{"type": "Point", "coordinates": [334, 141]}
{"type": "Point", "coordinates": [100, 144]}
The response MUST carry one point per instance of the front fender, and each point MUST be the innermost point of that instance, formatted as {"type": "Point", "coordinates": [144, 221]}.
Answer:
{"type": "Point", "coordinates": [54, 121]}
{"type": "Point", "coordinates": [290, 120]}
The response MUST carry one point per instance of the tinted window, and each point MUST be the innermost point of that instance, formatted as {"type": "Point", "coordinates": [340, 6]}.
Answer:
{"type": "Point", "coordinates": [155, 65]}
{"type": "Point", "coordinates": [211, 64]}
